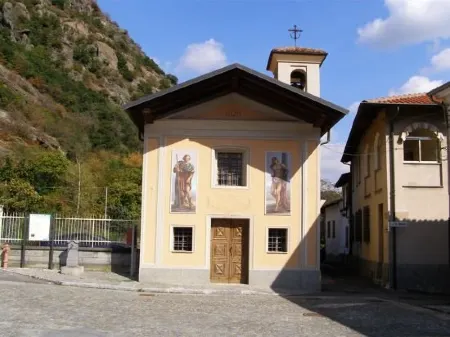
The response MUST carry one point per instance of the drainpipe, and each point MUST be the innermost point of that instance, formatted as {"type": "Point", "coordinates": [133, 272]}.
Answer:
{"type": "Point", "coordinates": [392, 231]}
{"type": "Point", "coordinates": [446, 110]}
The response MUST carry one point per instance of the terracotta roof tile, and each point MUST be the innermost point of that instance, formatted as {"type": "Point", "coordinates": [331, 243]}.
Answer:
{"type": "Point", "coordinates": [420, 98]}
{"type": "Point", "coordinates": [299, 50]}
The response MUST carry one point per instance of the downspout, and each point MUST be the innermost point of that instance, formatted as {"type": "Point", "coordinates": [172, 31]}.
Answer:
{"type": "Point", "coordinates": [446, 111]}
{"type": "Point", "coordinates": [392, 231]}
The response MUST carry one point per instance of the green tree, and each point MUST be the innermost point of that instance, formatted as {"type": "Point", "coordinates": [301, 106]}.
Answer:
{"type": "Point", "coordinates": [19, 195]}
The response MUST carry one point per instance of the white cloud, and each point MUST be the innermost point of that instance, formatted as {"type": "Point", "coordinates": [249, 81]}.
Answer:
{"type": "Point", "coordinates": [408, 22]}
{"type": "Point", "coordinates": [441, 61]}
{"type": "Point", "coordinates": [331, 166]}
{"type": "Point", "coordinates": [203, 57]}
{"type": "Point", "coordinates": [416, 84]}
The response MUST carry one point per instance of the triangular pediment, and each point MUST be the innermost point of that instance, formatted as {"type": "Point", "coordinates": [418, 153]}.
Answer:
{"type": "Point", "coordinates": [233, 107]}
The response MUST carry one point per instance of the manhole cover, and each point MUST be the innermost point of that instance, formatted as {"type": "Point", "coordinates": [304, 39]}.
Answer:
{"type": "Point", "coordinates": [312, 314]}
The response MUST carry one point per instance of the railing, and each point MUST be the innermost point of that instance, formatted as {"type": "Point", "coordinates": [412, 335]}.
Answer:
{"type": "Point", "coordinates": [90, 232]}
{"type": "Point", "coordinates": [11, 227]}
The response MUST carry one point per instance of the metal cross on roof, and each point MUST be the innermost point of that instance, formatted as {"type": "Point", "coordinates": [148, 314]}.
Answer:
{"type": "Point", "coordinates": [295, 34]}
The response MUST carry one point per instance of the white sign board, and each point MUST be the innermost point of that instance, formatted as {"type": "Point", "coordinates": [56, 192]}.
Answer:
{"type": "Point", "coordinates": [39, 229]}
{"type": "Point", "coordinates": [398, 224]}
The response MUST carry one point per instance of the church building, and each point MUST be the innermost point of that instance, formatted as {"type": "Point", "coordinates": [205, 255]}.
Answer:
{"type": "Point", "coordinates": [231, 175]}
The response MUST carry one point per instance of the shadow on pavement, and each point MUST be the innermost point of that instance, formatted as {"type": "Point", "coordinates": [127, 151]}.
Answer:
{"type": "Point", "coordinates": [368, 310]}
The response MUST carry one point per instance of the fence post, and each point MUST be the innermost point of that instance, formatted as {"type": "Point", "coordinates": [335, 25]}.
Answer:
{"type": "Point", "coordinates": [133, 251]}
{"type": "Point", "coordinates": [51, 238]}
{"type": "Point", "coordinates": [1, 221]}
{"type": "Point", "coordinates": [26, 221]}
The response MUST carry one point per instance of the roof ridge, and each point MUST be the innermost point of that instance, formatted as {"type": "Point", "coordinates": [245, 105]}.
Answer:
{"type": "Point", "coordinates": [413, 94]}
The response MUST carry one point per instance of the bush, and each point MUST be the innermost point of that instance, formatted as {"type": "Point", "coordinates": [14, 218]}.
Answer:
{"type": "Point", "coordinates": [123, 67]}
{"type": "Point", "coordinates": [61, 4]}
{"type": "Point", "coordinates": [84, 53]}
{"type": "Point", "coordinates": [7, 97]}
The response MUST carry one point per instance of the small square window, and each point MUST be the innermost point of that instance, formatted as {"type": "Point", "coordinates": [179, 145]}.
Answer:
{"type": "Point", "coordinates": [231, 168]}
{"type": "Point", "coordinates": [277, 240]}
{"type": "Point", "coordinates": [182, 239]}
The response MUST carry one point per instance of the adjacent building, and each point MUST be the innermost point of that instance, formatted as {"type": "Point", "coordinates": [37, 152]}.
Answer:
{"type": "Point", "coordinates": [336, 231]}
{"type": "Point", "coordinates": [399, 192]}
{"type": "Point", "coordinates": [231, 175]}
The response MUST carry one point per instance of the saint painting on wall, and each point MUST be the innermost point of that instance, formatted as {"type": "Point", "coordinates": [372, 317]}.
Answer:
{"type": "Point", "coordinates": [278, 189]}
{"type": "Point", "coordinates": [183, 194]}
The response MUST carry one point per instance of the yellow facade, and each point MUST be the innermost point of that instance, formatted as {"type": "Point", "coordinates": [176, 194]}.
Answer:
{"type": "Point", "coordinates": [300, 140]}
{"type": "Point", "coordinates": [370, 189]}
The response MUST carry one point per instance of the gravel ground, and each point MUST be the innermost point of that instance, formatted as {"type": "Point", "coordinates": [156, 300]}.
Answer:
{"type": "Point", "coordinates": [56, 311]}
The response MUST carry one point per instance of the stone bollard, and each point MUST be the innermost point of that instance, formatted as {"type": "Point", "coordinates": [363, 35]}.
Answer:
{"type": "Point", "coordinates": [5, 255]}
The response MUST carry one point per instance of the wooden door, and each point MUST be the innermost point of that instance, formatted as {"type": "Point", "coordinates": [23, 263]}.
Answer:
{"type": "Point", "coordinates": [229, 251]}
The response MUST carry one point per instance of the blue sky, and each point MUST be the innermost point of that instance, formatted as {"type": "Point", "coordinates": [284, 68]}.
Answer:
{"type": "Point", "coordinates": [376, 47]}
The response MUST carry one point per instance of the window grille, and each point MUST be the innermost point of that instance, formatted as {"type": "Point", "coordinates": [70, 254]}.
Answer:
{"type": "Point", "coordinates": [277, 240]}
{"type": "Point", "coordinates": [230, 169]}
{"type": "Point", "coordinates": [182, 239]}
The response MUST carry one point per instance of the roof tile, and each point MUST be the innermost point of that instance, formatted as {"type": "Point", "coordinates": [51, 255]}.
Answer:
{"type": "Point", "coordinates": [420, 98]}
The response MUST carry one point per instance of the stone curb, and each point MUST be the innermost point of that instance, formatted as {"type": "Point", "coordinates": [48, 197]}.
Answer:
{"type": "Point", "coordinates": [154, 290]}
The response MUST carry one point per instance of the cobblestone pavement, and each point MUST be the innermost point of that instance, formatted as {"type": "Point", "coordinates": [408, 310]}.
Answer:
{"type": "Point", "coordinates": [9, 277]}
{"type": "Point", "coordinates": [54, 311]}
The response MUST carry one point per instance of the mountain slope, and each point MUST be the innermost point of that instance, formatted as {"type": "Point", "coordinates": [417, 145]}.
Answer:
{"type": "Point", "coordinates": [66, 145]}
{"type": "Point", "coordinates": [65, 69]}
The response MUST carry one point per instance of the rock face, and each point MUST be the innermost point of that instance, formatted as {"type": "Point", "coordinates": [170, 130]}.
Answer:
{"type": "Point", "coordinates": [13, 15]}
{"type": "Point", "coordinates": [56, 45]}
{"type": "Point", "coordinates": [106, 53]}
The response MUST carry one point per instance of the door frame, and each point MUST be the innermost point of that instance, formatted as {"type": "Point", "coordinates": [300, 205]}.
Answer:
{"type": "Point", "coordinates": [210, 218]}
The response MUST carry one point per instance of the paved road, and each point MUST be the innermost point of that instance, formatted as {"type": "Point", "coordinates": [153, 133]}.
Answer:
{"type": "Point", "coordinates": [9, 277]}
{"type": "Point", "coordinates": [30, 309]}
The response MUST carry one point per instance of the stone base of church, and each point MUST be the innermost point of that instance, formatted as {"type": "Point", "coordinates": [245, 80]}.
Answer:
{"type": "Point", "coordinates": [175, 276]}
{"type": "Point", "coordinates": [287, 280]}
{"type": "Point", "coordinates": [283, 281]}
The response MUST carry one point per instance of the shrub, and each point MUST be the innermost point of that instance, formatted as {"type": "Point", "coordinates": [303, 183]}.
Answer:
{"type": "Point", "coordinates": [123, 67]}
{"type": "Point", "coordinates": [61, 4]}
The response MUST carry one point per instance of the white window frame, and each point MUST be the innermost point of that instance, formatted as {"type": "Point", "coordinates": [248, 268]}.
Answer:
{"type": "Point", "coordinates": [420, 138]}
{"type": "Point", "coordinates": [172, 240]}
{"type": "Point", "coordinates": [288, 239]}
{"type": "Point", "coordinates": [245, 162]}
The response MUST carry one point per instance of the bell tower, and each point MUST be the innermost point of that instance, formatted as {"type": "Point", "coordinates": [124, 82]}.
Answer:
{"type": "Point", "coordinates": [297, 66]}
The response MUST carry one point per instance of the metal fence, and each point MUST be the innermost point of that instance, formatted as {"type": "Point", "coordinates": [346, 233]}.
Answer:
{"type": "Point", "coordinates": [11, 227]}
{"type": "Point", "coordinates": [89, 232]}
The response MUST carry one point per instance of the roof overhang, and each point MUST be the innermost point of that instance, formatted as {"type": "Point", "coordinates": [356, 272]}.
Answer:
{"type": "Point", "coordinates": [245, 81]}
{"type": "Point", "coordinates": [277, 53]}
{"type": "Point", "coordinates": [442, 93]}
{"type": "Point", "coordinates": [343, 179]}
{"type": "Point", "coordinates": [367, 112]}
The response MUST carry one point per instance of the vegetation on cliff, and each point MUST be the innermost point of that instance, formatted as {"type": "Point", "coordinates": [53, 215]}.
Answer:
{"type": "Point", "coordinates": [65, 71]}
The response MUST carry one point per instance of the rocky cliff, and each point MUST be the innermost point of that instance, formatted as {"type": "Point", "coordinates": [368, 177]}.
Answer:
{"type": "Point", "coordinates": [65, 69]}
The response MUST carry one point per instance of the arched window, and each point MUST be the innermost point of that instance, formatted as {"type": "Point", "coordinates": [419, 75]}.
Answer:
{"type": "Point", "coordinates": [421, 145]}
{"type": "Point", "coordinates": [298, 79]}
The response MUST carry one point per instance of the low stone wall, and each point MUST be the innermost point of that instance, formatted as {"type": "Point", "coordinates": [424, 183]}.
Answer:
{"type": "Point", "coordinates": [104, 259]}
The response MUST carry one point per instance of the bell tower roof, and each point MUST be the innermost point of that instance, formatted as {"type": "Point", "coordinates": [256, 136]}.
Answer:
{"type": "Point", "coordinates": [318, 54]}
